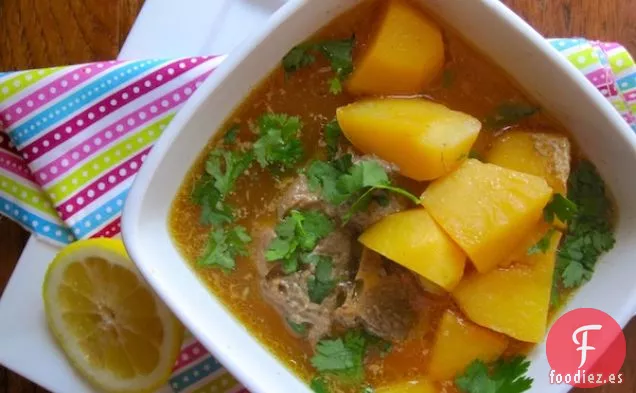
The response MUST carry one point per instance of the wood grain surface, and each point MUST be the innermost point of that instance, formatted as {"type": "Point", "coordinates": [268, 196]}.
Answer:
{"type": "Point", "coordinates": [41, 33]}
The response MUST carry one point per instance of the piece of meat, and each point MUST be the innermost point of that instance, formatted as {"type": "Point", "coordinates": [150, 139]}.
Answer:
{"type": "Point", "coordinates": [298, 196]}
{"type": "Point", "coordinates": [382, 301]}
{"type": "Point", "coordinates": [341, 246]}
{"type": "Point", "coordinates": [289, 293]}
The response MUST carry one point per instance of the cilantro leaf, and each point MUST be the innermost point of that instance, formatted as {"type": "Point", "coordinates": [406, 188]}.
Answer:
{"type": "Point", "coordinates": [324, 177]}
{"type": "Point", "coordinates": [508, 114]}
{"type": "Point", "coordinates": [505, 377]}
{"type": "Point", "coordinates": [231, 134]}
{"type": "Point", "coordinates": [590, 230]}
{"type": "Point", "coordinates": [560, 207]}
{"type": "Point", "coordinates": [278, 143]}
{"type": "Point", "coordinates": [297, 234]}
{"type": "Point", "coordinates": [298, 57]}
{"type": "Point", "coordinates": [221, 171]}
{"type": "Point", "coordinates": [332, 138]}
{"type": "Point", "coordinates": [543, 244]}
{"type": "Point", "coordinates": [224, 246]}
{"type": "Point", "coordinates": [342, 356]}
{"type": "Point", "coordinates": [225, 167]}
{"type": "Point", "coordinates": [338, 52]}
{"type": "Point", "coordinates": [342, 181]}
{"type": "Point", "coordinates": [320, 284]}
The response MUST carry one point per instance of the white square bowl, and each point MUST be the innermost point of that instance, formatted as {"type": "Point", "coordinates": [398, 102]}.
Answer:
{"type": "Point", "coordinates": [500, 35]}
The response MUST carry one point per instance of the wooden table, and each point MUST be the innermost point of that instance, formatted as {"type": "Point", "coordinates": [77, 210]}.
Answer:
{"type": "Point", "coordinates": [40, 33]}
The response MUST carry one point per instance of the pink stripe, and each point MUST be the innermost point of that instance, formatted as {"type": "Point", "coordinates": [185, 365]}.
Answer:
{"type": "Point", "coordinates": [630, 96]}
{"type": "Point", "coordinates": [119, 129]}
{"type": "Point", "coordinates": [70, 79]}
{"type": "Point", "coordinates": [599, 77]}
{"type": "Point", "coordinates": [100, 186]}
{"type": "Point", "coordinates": [110, 230]}
{"type": "Point", "coordinates": [189, 355]}
{"type": "Point", "coordinates": [116, 100]}
{"type": "Point", "coordinates": [14, 165]}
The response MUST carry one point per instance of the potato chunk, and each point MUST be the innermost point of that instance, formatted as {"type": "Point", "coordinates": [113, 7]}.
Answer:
{"type": "Point", "coordinates": [458, 342]}
{"type": "Point", "coordinates": [418, 386]}
{"type": "Point", "coordinates": [424, 139]}
{"type": "Point", "coordinates": [539, 154]}
{"type": "Point", "coordinates": [487, 210]}
{"type": "Point", "coordinates": [514, 300]}
{"type": "Point", "coordinates": [412, 239]}
{"type": "Point", "coordinates": [405, 54]}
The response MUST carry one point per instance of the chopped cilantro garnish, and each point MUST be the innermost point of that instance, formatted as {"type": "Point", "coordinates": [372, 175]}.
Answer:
{"type": "Point", "coordinates": [503, 377]}
{"type": "Point", "coordinates": [343, 356]}
{"type": "Point", "coordinates": [508, 114]}
{"type": "Point", "coordinates": [231, 134]}
{"type": "Point", "coordinates": [320, 284]}
{"type": "Point", "coordinates": [221, 171]}
{"type": "Point", "coordinates": [223, 246]}
{"type": "Point", "coordinates": [560, 207]}
{"type": "Point", "coordinates": [298, 57]}
{"type": "Point", "coordinates": [590, 230]}
{"type": "Point", "coordinates": [338, 52]}
{"type": "Point", "coordinates": [278, 144]}
{"type": "Point", "coordinates": [353, 183]}
{"type": "Point", "coordinates": [298, 328]}
{"type": "Point", "coordinates": [297, 235]}
{"type": "Point", "coordinates": [332, 138]}
{"type": "Point", "coordinates": [543, 245]}
{"type": "Point", "coordinates": [225, 167]}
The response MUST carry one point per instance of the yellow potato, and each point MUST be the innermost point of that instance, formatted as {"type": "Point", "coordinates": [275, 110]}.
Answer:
{"type": "Point", "coordinates": [424, 139]}
{"type": "Point", "coordinates": [417, 386]}
{"type": "Point", "coordinates": [458, 342]}
{"type": "Point", "coordinates": [539, 154]}
{"type": "Point", "coordinates": [487, 210]}
{"type": "Point", "coordinates": [405, 54]}
{"type": "Point", "coordinates": [412, 239]}
{"type": "Point", "coordinates": [514, 300]}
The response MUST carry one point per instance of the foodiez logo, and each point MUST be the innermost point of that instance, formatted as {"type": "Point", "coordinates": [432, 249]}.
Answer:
{"type": "Point", "coordinates": [586, 349]}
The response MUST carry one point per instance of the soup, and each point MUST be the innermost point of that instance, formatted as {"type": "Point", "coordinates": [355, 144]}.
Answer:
{"type": "Point", "coordinates": [388, 211]}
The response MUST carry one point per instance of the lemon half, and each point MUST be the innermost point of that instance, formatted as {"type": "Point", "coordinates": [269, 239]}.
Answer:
{"type": "Point", "coordinates": [108, 321]}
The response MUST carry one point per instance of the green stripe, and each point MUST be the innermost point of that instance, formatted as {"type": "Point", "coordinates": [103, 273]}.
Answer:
{"type": "Point", "coordinates": [27, 195]}
{"type": "Point", "coordinates": [583, 58]}
{"type": "Point", "coordinates": [221, 384]}
{"type": "Point", "coordinates": [22, 80]}
{"type": "Point", "coordinates": [107, 160]}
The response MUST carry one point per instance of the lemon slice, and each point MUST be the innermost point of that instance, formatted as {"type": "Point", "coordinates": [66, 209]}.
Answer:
{"type": "Point", "coordinates": [108, 321]}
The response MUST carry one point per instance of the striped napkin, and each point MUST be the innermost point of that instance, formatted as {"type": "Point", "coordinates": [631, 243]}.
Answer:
{"type": "Point", "coordinates": [72, 139]}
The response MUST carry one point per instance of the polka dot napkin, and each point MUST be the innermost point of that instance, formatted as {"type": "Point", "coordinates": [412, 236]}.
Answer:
{"type": "Point", "coordinates": [72, 139]}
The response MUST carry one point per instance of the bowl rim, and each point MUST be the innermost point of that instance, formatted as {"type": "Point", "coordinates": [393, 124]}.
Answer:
{"type": "Point", "coordinates": [133, 205]}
